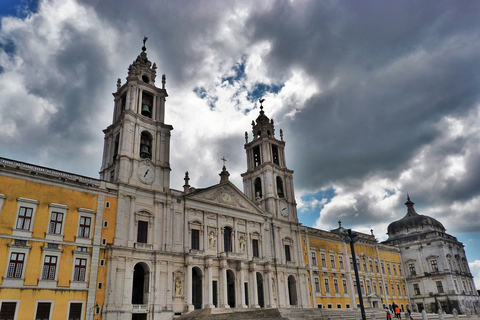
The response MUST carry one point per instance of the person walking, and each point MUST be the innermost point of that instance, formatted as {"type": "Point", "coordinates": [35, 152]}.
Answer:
{"type": "Point", "coordinates": [397, 312]}
{"type": "Point", "coordinates": [389, 314]}
{"type": "Point", "coordinates": [409, 312]}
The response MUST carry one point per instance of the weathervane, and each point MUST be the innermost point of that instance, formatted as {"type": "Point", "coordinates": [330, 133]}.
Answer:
{"type": "Point", "coordinates": [224, 160]}
{"type": "Point", "coordinates": [144, 40]}
{"type": "Point", "coordinates": [261, 101]}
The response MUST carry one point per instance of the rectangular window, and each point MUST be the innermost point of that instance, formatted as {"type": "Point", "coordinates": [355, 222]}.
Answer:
{"type": "Point", "coordinates": [15, 266]}
{"type": "Point", "coordinates": [332, 261]}
{"type": "Point", "coordinates": [24, 218]}
{"type": "Point", "coordinates": [369, 289]}
{"type": "Point", "coordinates": [7, 312]}
{"type": "Point", "coordinates": [386, 289]}
{"type": "Point", "coordinates": [376, 267]}
{"type": "Point", "coordinates": [434, 265]}
{"type": "Point", "coordinates": [324, 260]}
{"type": "Point", "coordinates": [394, 269]}
{"type": "Point", "coordinates": [351, 263]}
{"type": "Point", "coordinates": [56, 220]}
{"type": "Point", "coordinates": [413, 272]}
{"type": "Point", "coordinates": [374, 285]}
{"type": "Point", "coordinates": [255, 248]}
{"type": "Point", "coordinates": [416, 289]}
{"type": "Point", "coordinates": [142, 232]}
{"type": "Point", "coordinates": [314, 259]}
{"type": "Point", "coordinates": [358, 265]}
{"type": "Point", "coordinates": [364, 260]}
{"type": "Point", "coordinates": [84, 227]}
{"type": "Point", "coordinates": [345, 289]}
{"type": "Point", "coordinates": [362, 287]}
{"type": "Point", "coordinates": [439, 286]}
{"type": "Point", "coordinates": [43, 311]}
{"type": "Point", "coordinates": [380, 286]}
{"type": "Point", "coordinates": [327, 286]}
{"type": "Point", "coordinates": [388, 268]}
{"type": "Point", "coordinates": [383, 267]}
{"type": "Point", "coordinates": [49, 268]}
{"type": "Point", "coordinates": [400, 270]}
{"type": "Point", "coordinates": [287, 253]}
{"type": "Point", "coordinates": [393, 288]}
{"type": "Point", "coordinates": [256, 156]}
{"type": "Point", "coordinates": [340, 261]}
{"type": "Point", "coordinates": [80, 269]}
{"type": "Point", "coordinates": [317, 285]}
{"type": "Point", "coordinates": [75, 312]}
{"type": "Point", "coordinates": [398, 289]}
{"type": "Point", "coordinates": [275, 155]}
{"type": "Point", "coordinates": [335, 285]}
{"type": "Point", "coordinates": [371, 265]}
{"type": "Point", "coordinates": [195, 239]}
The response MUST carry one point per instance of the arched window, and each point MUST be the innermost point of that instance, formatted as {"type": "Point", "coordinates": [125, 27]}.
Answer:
{"type": "Point", "coordinates": [115, 146]}
{"type": "Point", "coordinates": [227, 239]}
{"type": "Point", "coordinates": [258, 188]}
{"type": "Point", "coordinates": [145, 146]}
{"type": "Point", "coordinates": [257, 159]}
{"type": "Point", "coordinates": [147, 105]}
{"type": "Point", "coordinates": [140, 283]}
{"type": "Point", "coordinates": [280, 187]}
{"type": "Point", "coordinates": [275, 155]}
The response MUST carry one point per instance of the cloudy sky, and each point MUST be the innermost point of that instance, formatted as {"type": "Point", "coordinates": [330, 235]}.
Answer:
{"type": "Point", "coordinates": [376, 99]}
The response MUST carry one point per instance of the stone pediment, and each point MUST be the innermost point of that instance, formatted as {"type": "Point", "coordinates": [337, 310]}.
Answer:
{"type": "Point", "coordinates": [226, 194]}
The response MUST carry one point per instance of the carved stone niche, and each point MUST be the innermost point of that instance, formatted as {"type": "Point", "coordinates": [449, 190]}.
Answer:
{"type": "Point", "coordinates": [178, 281]}
{"type": "Point", "coordinates": [242, 242]}
{"type": "Point", "coordinates": [212, 238]}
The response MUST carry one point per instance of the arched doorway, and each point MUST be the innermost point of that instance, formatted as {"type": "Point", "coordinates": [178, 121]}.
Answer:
{"type": "Point", "coordinates": [197, 290]}
{"type": "Point", "coordinates": [261, 300]}
{"type": "Point", "coordinates": [140, 283]}
{"type": "Point", "coordinates": [292, 290]}
{"type": "Point", "coordinates": [231, 288]}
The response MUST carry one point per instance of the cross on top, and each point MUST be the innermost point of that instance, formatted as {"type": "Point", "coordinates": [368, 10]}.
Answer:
{"type": "Point", "coordinates": [224, 160]}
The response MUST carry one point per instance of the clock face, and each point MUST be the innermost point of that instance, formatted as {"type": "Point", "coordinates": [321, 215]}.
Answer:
{"type": "Point", "coordinates": [283, 208]}
{"type": "Point", "coordinates": [146, 173]}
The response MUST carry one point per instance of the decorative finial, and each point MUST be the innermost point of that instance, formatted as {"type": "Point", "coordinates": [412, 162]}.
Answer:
{"type": "Point", "coordinates": [261, 106]}
{"type": "Point", "coordinates": [119, 84]}
{"type": "Point", "coordinates": [186, 186]}
{"type": "Point", "coordinates": [246, 137]}
{"type": "Point", "coordinates": [281, 134]}
{"type": "Point", "coordinates": [224, 160]}
{"type": "Point", "coordinates": [164, 80]}
{"type": "Point", "coordinates": [371, 231]}
{"type": "Point", "coordinates": [339, 223]}
{"type": "Point", "coordinates": [408, 197]}
{"type": "Point", "coordinates": [144, 40]}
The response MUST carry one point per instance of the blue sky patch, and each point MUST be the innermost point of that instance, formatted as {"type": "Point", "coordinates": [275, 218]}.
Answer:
{"type": "Point", "coordinates": [260, 89]}
{"type": "Point", "coordinates": [308, 215]}
{"type": "Point", "coordinates": [20, 9]}
{"type": "Point", "coordinates": [239, 70]}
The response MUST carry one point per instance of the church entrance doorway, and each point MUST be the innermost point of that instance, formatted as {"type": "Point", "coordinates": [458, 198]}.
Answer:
{"type": "Point", "coordinates": [140, 283]}
{"type": "Point", "coordinates": [292, 290]}
{"type": "Point", "coordinates": [197, 289]}
{"type": "Point", "coordinates": [261, 301]}
{"type": "Point", "coordinates": [231, 288]}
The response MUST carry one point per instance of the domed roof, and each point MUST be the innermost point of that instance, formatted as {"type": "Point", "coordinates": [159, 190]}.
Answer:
{"type": "Point", "coordinates": [412, 220]}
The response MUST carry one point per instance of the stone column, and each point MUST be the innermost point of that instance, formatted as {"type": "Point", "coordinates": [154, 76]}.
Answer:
{"type": "Point", "coordinates": [188, 285]}
{"type": "Point", "coordinates": [270, 293]}
{"type": "Point", "coordinates": [241, 276]}
{"type": "Point", "coordinates": [208, 284]}
{"type": "Point", "coordinates": [131, 227]}
{"type": "Point", "coordinates": [223, 283]}
{"type": "Point", "coordinates": [253, 281]}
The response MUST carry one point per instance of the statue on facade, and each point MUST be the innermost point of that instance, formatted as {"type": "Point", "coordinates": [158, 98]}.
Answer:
{"type": "Point", "coordinates": [211, 239]}
{"type": "Point", "coordinates": [178, 287]}
{"type": "Point", "coordinates": [242, 243]}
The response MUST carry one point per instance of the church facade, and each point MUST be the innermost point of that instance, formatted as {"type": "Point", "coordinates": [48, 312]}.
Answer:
{"type": "Point", "coordinates": [127, 246]}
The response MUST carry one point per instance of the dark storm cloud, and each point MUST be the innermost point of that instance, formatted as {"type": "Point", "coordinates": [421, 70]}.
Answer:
{"type": "Point", "coordinates": [398, 69]}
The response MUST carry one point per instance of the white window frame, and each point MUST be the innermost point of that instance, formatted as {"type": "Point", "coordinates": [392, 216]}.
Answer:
{"type": "Point", "coordinates": [147, 217]}
{"type": "Point", "coordinates": [59, 208]}
{"type": "Point", "coordinates": [2, 200]}
{"type": "Point", "coordinates": [75, 284]}
{"type": "Point", "coordinates": [16, 282]}
{"type": "Point", "coordinates": [288, 241]}
{"type": "Point", "coordinates": [256, 236]}
{"type": "Point", "coordinates": [50, 314]}
{"type": "Point", "coordinates": [88, 213]}
{"type": "Point", "coordinates": [27, 203]}
{"type": "Point", "coordinates": [17, 305]}
{"type": "Point", "coordinates": [47, 283]}
{"type": "Point", "coordinates": [76, 301]}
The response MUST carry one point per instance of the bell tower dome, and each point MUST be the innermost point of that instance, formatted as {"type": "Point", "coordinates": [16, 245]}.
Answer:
{"type": "Point", "coordinates": [137, 143]}
{"type": "Point", "coordinates": [268, 181]}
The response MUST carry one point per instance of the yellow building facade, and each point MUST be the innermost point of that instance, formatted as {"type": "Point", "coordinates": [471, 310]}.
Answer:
{"type": "Point", "coordinates": [54, 231]}
{"type": "Point", "coordinates": [331, 272]}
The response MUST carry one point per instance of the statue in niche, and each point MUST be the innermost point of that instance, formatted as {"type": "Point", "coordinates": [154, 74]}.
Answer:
{"type": "Point", "coordinates": [242, 243]}
{"type": "Point", "coordinates": [178, 287]}
{"type": "Point", "coordinates": [211, 239]}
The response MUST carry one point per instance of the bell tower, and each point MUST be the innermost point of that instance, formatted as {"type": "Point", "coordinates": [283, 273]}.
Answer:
{"type": "Point", "coordinates": [137, 143]}
{"type": "Point", "coordinates": [268, 181]}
